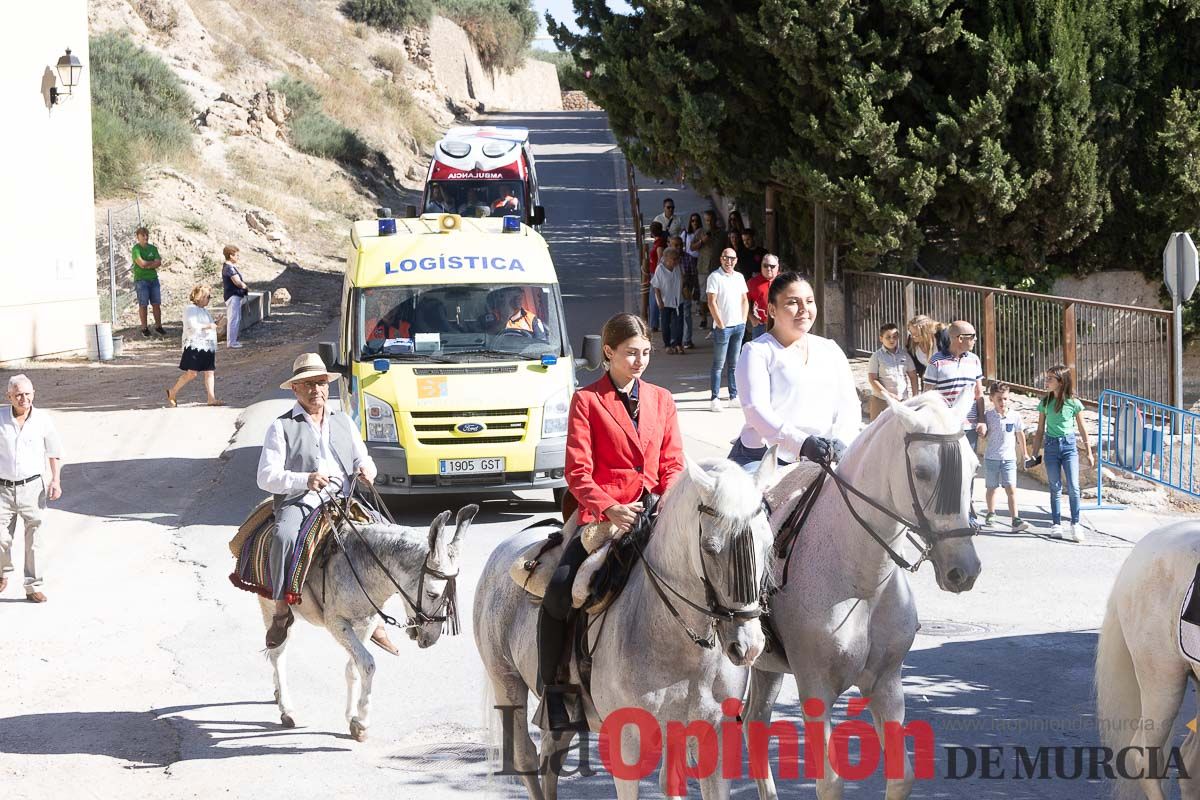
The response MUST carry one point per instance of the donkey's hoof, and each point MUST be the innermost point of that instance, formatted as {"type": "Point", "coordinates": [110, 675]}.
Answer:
{"type": "Point", "coordinates": [358, 732]}
{"type": "Point", "coordinates": [286, 721]}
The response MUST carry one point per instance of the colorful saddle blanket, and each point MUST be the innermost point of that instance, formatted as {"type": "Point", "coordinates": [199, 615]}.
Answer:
{"type": "Point", "coordinates": [252, 548]}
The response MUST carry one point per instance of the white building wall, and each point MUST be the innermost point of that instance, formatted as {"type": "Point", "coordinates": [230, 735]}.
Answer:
{"type": "Point", "coordinates": [47, 222]}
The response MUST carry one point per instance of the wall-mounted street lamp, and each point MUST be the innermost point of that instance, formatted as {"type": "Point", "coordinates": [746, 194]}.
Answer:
{"type": "Point", "coordinates": [69, 69]}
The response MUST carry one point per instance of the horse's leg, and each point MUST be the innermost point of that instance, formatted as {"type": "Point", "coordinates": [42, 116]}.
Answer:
{"type": "Point", "coordinates": [512, 692]}
{"type": "Point", "coordinates": [1159, 707]}
{"type": "Point", "coordinates": [887, 705]}
{"type": "Point", "coordinates": [631, 751]}
{"type": "Point", "coordinates": [830, 784]}
{"type": "Point", "coordinates": [764, 690]}
{"type": "Point", "coordinates": [277, 657]}
{"type": "Point", "coordinates": [1189, 788]}
{"type": "Point", "coordinates": [360, 665]}
{"type": "Point", "coordinates": [553, 745]}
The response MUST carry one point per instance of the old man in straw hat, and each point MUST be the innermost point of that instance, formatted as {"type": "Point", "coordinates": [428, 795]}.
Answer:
{"type": "Point", "coordinates": [306, 450]}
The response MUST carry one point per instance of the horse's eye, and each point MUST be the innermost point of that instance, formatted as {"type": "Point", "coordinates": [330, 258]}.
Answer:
{"type": "Point", "coordinates": [431, 595]}
{"type": "Point", "coordinates": [923, 473]}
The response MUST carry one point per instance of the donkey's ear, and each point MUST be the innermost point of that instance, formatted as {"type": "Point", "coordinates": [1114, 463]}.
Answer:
{"type": "Point", "coordinates": [435, 529]}
{"type": "Point", "coordinates": [908, 415]}
{"type": "Point", "coordinates": [463, 522]}
{"type": "Point", "coordinates": [767, 469]}
{"type": "Point", "coordinates": [698, 475]}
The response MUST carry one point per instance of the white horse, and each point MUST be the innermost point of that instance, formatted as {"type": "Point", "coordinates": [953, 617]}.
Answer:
{"type": "Point", "coordinates": [1141, 673]}
{"type": "Point", "coordinates": [845, 615]}
{"type": "Point", "coordinates": [420, 566]}
{"type": "Point", "coordinates": [712, 534]}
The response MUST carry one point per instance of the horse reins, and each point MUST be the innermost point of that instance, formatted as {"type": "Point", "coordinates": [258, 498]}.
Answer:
{"type": "Point", "coordinates": [922, 527]}
{"type": "Point", "coordinates": [448, 617]}
{"type": "Point", "coordinates": [715, 612]}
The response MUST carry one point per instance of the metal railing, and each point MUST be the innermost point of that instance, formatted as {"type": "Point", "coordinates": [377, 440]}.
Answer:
{"type": "Point", "coordinates": [1151, 440]}
{"type": "Point", "coordinates": [1126, 348]}
{"type": "Point", "coordinates": [118, 240]}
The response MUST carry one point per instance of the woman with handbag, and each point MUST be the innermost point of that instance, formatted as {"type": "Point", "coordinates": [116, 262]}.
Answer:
{"type": "Point", "coordinates": [234, 287]}
{"type": "Point", "coordinates": [622, 440]}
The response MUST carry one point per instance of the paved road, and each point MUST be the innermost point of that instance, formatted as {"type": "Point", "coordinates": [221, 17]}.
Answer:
{"type": "Point", "coordinates": [144, 676]}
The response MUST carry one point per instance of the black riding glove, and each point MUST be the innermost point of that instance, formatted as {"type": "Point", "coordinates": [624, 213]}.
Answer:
{"type": "Point", "coordinates": [817, 449]}
{"type": "Point", "coordinates": [839, 449]}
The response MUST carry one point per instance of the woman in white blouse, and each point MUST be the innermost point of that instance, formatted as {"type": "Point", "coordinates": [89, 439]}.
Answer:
{"type": "Point", "coordinates": [199, 347]}
{"type": "Point", "coordinates": [796, 388]}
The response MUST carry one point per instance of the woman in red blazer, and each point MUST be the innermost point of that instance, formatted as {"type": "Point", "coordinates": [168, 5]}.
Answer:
{"type": "Point", "coordinates": [622, 439]}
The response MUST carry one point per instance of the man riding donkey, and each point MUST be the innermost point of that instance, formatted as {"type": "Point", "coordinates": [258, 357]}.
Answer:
{"type": "Point", "coordinates": [623, 440]}
{"type": "Point", "coordinates": [310, 454]}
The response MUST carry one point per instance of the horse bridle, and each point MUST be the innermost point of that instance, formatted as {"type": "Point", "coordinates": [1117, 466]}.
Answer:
{"type": "Point", "coordinates": [928, 536]}
{"type": "Point", "coordinates": [446, 611]}
{"type": "Point", "coordinates": [713, 610]}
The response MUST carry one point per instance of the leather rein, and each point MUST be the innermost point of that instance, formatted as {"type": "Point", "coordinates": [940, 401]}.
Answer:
{"type": "Point", "coordinates": [446, 611]}
{"type": "Point", "coordinates": [713, 610]}
{"type": "Point", "coordinates": [926, 537]}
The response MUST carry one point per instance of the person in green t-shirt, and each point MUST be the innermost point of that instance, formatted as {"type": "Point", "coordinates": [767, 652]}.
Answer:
{"type": "Point", "coordinates": [146, 261]}
{"type": "Point", "coordinates": [1060, 416]}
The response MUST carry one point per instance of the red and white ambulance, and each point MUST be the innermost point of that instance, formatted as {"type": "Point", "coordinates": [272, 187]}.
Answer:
{"type": "Point", "coordinates": [484, 171]}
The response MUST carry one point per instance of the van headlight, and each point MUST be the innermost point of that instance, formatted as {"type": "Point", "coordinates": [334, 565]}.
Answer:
{"type": "Point", "coordinates": [381, 421]}
{"type": "Point", "coordinates": [554, 414]}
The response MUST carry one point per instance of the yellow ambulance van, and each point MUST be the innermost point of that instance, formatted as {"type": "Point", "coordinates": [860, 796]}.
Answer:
{"type": "Point", "coordinates": [454, 356]}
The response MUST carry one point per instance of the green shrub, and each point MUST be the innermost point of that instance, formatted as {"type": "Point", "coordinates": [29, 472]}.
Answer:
{"type": "Point", "coordinates": [389, 14]}
{"type": "Point", "coordinates": [140, 111]}
{"type": "Point", "coordinates": [500, 30]}
{"type": "Point", "coordinates": [313, 131]}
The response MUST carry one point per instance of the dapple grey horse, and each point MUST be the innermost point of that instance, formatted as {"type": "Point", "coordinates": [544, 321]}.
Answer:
{"type": "Point", "coordinates": [643, 657]}
{"type": "Point", "coordinates": [423, 563]}
{"type": "Point", "coordinates": [846, 615]}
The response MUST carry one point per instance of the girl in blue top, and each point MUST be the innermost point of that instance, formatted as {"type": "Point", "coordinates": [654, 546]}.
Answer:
{"type": "Point", "coordinates": [1060, 416]}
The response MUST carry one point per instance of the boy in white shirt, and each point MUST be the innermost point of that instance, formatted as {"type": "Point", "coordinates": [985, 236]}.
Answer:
{"type": "Point", "coordinates": [1002, 427]}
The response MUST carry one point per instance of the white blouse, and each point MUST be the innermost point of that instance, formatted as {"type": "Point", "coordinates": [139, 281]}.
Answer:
{"type": "Point", "coordinates": [787, 400]}
{"type": "Point", "coordinates": [199, 331]}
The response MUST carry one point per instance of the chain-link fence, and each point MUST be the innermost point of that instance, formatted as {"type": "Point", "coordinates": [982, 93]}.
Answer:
{"type": "Point", "coordinates": [114, 277]}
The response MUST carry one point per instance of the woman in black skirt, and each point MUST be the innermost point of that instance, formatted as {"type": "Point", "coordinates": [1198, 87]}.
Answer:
{"type": "Point", "coordinates": [199, 347]}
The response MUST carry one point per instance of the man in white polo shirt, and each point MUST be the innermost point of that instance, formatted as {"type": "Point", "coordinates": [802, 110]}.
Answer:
{"type": "Point", "coordinates": [27, 441]}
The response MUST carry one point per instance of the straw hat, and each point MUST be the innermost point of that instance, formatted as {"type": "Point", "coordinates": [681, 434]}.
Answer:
{"type": "Point", "coordinates": [306, 366]}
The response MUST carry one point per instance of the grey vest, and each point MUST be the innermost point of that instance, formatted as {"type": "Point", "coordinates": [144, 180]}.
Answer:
{"type": "Point", "coordinates": [301, 448]}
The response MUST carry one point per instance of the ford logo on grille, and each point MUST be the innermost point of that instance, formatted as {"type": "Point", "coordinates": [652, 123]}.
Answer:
{"type": "Point", "coordinates": [469, 427]}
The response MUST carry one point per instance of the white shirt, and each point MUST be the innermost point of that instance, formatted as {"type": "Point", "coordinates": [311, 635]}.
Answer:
{"type": "Point", "coordinates": [891, 368]}
{"type": "Point", "coordinates": [730, 289]}
{"type": "Point", "coordinates": [670, 283]}
{"type": "Point", "coordinates": [1001, 434]}
{"type": "Point", "coordinates": [195, 334]}
{"type": "Point", "coordinates": [786, 400]}
{"type": "Point", "coordinates": [273, 478]}
{"type": "Point", "coordinates": [673, 226]}
{"type": "Point", "coordinates": [24, 450]}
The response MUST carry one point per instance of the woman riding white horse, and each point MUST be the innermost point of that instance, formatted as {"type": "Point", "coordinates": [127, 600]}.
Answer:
{"type": "Point", "coordinates": [797, 388]}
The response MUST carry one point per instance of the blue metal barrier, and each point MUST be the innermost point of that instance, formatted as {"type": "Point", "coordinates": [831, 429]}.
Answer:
{"type": "Point", "coordinates": [1147, 439]}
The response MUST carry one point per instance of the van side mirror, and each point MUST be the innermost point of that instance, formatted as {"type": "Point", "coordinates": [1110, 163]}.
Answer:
{"type": "Point", "coordinates": [410, 212]}
{"type": "Point", "coordinates": [593, 352]}
{"type": "Point", "coordinates": [538, 217]}
{"type": "Point", "coordinates": [328, 353]}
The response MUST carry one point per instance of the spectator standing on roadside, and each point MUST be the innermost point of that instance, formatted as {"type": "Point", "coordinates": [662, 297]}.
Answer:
{"type": "Point", "coordinates": [1002, 427]}
{"type": "Point", "coordinates": [28, 441]}
{"type": "Point", "coordinates": [235, 289]}
{"type": "Point", "coordinates": [146, 261]}
{"type": "Point", "coordinates": [750, 255]}
{"type": "Point", "coordinates": [199, 347]}
{"type": "Point", "coordinates": [926, 338]}
{"type": "Point", "coordinates": [958, 376]}
{"type": "Point", "coordinates": [707, 247]}
{"type": "Point", "coordinates": [668, 290]}
{"type": "Point", "coordinates": [658, 243]}
{"type": "Point", "coordinates": [1060, 421]}
{"type": "Point", "coordinates": [728, 304]}
{"type": "Point", "coordinates": [672, 224]}
{"type": "Point", "coordinates": [757, 289]}
{"type": "Point", "coordinates": [890, 372]}
{"type": "Point", "coordinates": [734, 223]}
{"type": "Point", "coordinates": [691, 276]}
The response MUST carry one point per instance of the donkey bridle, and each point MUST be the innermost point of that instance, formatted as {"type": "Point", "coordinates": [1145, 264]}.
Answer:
{"type": "Point", "coordinates": [713, 608]}
{"type": "Point", "coordinates": [445, 612]}
{"type": "Point", "coordinates": [928, 537]}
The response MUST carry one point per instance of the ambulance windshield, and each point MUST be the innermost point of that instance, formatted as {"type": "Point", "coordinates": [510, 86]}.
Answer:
{"type": "Point", "coordinates": [475, 198]}
{"type": "Point", "coordinates": [461, 321]}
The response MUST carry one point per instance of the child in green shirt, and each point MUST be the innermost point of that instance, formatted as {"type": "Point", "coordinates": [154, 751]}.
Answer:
{"type": "Point", "coordinates": [1060, 415]}
{"type": "Point", "coordinates": [146, 261]}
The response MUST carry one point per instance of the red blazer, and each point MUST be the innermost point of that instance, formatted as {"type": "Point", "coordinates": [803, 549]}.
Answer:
{"type": "Point", "coordinates": [609, 461]}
